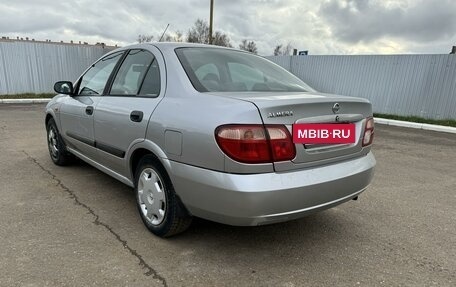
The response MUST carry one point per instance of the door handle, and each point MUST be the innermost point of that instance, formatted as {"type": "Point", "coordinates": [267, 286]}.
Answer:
{"type": "Point", "coordinates": [136, 116]}
{"type": "Point", "coordinates": [89, 110]}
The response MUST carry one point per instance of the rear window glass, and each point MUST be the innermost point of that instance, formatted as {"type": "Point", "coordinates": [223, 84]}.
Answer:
{"type": "Point", "coordinates": [225, 70]}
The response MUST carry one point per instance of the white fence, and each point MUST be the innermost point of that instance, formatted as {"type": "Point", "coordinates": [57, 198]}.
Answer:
{"type": "Point", "coordinates": [34, 67]}
{"type": "Point", "coordinates": [409, 85]}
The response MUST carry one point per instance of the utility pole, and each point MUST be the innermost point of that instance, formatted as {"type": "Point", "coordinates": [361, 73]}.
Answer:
{"type": "Point", "coordinates": [210, 22]}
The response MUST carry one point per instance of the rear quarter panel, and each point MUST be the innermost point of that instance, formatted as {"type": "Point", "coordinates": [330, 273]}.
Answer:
{"type": "Point", "coordinates": [192, 117]}
{"type": "Point", "coordinates": [195, 117]}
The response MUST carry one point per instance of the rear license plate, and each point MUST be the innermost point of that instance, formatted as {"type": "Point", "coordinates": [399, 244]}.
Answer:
{"type": "Point", "coordinates": [324, 133]}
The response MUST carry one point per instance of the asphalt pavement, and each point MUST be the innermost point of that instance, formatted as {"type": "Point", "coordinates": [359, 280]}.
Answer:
{"type": "Point", "coordinates": [75, 226]}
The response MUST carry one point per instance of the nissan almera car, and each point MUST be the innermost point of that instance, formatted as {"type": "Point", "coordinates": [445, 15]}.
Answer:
{"type": "Point", "coordinates": [211, 132]}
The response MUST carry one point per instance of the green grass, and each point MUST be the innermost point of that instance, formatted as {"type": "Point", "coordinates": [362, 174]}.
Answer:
{"type": "Point", "coordinates": [27, 96]}
{"type": "Point", "coordinates": [445, 122]}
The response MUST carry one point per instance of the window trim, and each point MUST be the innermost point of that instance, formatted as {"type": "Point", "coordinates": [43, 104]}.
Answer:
{"type": "Point", "coordinates": [190, 73]}
{"type": "Point", "coordinates": [108, 86]}
{"type": "Point", "coordinates": [79, 81]}
{"type": "Point", "coordinates": [116, 69]}
{"type": "Point", "coordinates": [142, 82]}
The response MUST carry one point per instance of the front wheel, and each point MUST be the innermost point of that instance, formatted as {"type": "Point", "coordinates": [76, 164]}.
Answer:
{"type": "Point", "coordinates": [158, 205]}
{"type": "Point", "coordinates": [56, 146]}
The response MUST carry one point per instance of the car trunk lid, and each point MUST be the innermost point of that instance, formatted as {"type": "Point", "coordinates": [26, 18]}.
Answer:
{"type": "Point", "coordinates": [300, 108]}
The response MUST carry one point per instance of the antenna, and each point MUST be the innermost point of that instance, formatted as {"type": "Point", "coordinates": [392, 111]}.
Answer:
{"type": "Point", "coordinates": [163, 33]}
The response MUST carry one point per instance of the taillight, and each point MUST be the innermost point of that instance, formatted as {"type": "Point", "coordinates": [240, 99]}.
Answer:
{"type": "Point", "coordinates": [255, 143]}
{"type": "Point", "coordinates": [281, 143]}
{"type": "Point", "coordinates": [368, 132]}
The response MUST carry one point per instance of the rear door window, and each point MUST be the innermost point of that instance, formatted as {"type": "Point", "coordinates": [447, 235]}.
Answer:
{"type": "Point", "coordinates": [131, 73]}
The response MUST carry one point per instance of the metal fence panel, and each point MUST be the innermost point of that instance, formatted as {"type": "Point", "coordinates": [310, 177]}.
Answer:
{"type": "Point", "coordinates": [408, 85]}
{"type": "Point", "coordinates": [419, 85]}
{"type": "Point", "coordinates": [34, 67]}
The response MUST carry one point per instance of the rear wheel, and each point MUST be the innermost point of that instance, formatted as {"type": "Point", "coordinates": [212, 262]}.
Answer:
{"type": "Point", "coordinates": [158, 205]}
{"type": "Point", "coordinates": [56, 146]}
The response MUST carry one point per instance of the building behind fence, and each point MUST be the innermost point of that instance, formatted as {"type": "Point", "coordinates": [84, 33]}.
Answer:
{"type": "Point", "coordinates": [28, 66]}
{"type": "Point", "coordinates": [407, 85]}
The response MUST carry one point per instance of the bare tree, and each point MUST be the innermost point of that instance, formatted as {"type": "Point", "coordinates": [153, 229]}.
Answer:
{"type": "Point", "coordinates": [287, 50]}
{"type": "Point", "coordinates": [199, 33]}
{"type": "Point", "coordinates": [249, 46]}
{"type": "Point", "coordinates": [280, 50]}
{"type": "Point", "coordinates": [178, 37]}
{"type": "Point", "coordinates": [173, 37]}
{"type": "Point", "coordinates": [144, 38]}
{"type": "Point", "coordinates": [167, 38]}
{"type": "Point", "coordinates": [221, 39]}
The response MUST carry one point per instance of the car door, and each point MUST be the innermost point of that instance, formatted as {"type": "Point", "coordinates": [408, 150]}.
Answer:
{"type": "Point", "coordinates": [76, 114]}
{"type": "Point", "coordinates": [121, 117]}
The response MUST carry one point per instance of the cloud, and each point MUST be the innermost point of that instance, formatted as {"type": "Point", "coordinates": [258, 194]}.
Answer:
{"type": "Point", "coordinates": [320, 26]}
{"type": "Point", "coordinates": [353, 21]}
{"type": "Point", "coordinates": [27, 19]}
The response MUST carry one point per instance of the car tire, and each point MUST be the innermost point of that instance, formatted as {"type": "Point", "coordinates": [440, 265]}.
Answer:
{"type": "Point", "coordinates": [159, 206]}
{"type": "Point", "coordinates": [57, 149]}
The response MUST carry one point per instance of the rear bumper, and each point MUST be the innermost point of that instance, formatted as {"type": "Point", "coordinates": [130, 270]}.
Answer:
{"type": "Point", "coordinates": [256, 199]}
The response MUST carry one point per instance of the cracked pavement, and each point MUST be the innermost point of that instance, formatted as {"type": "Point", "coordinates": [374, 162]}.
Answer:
{"type": "Point", "coordinates": [150, 271]}
{"type": "Point", "coordinates": [75, 226]}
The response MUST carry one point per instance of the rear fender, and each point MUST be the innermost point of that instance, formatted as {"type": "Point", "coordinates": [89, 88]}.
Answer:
{"type": "Point", "coordinates": [153, 148]}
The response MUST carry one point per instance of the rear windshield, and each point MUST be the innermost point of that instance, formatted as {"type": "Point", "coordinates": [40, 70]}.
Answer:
{"type": "Point", "coordinates": [224, 70]}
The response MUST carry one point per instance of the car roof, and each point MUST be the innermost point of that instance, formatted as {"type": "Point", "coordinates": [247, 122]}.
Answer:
{"type": "Point", "coordinates": [173, 45]}
{"type": "Point", "coordinates": [178, 44]}
{"type": "Point", "coordinates": [182, 44]}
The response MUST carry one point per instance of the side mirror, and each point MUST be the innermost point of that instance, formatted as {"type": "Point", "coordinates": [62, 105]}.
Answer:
{"type": "Point", "coordinates": [63, 87]}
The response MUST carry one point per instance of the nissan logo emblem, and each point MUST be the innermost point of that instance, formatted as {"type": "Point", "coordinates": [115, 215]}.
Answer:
{"type": "Point", "coordinates": [336, 108]}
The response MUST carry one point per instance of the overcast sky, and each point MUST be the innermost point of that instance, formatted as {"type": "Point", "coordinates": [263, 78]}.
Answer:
{"type": "Point", "coordinates": [322, 27]}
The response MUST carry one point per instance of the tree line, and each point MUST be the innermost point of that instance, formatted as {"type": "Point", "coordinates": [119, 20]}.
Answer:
{"type": "Point", "coordinates": [199, 33]}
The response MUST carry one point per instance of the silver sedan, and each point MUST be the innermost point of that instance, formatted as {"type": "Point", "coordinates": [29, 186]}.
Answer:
{"type": "Point", "coordinates": [212, 132]}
